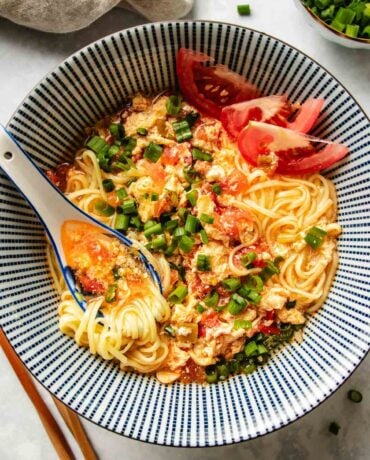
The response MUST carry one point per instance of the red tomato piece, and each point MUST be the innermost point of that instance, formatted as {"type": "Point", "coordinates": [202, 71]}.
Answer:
{"type": "Point", "coordinates": [91, 286]}
{"type": "Point", "coordinates": [296, 155]}
{"type": "Point", "coordinates": [269, 330]}
{"type": "Point", "coordinates": [307, 115]}
{"type": "Point", "coordinates": [235, 183]}
{"type": "Point", "coordinates": [271, 109]}
{"type": "Point", "coordinates": [232, 221]}
{"type": "Point", "coordinates": [210, 88]}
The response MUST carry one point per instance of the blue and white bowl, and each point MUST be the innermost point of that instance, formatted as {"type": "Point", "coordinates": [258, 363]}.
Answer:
{"type": "Point", "coordinates": [49, 126]}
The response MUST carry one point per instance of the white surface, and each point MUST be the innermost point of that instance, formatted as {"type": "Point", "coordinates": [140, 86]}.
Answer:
{"type": "Point", "coordinates": [25, 57]}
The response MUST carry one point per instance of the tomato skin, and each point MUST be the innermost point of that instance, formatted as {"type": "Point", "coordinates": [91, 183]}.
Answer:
{"type": "Point", "coordinates": [235, 183]}
{"type": "Point", "coordinates": [270, 109]}
{"type": "Point", "coordinates": [307, 115]}
{"type": "Point", "coordinates": [210, 88]}
{"type": "Point", "coordinates": [91, 286]}
{"type": "Point", "coordinates": [295, 153]}
{"type": "Point", "coordinates": [269, 330]}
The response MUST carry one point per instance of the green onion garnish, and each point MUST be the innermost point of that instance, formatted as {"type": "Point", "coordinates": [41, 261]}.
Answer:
{"type": "Point", "coordinates": [354, 396]}
{"type": "Point", "coordinates": [113, 150]}
{"type": "Point", "coordinates": [179, 232]}
{"type": "Point", "coordinates": [242, 324]}
{"type": "Point", "coordinates": [103, 208]}
{"type": "Point", "coordinates": [268, 271]}
{"type": "Point", "coordinates": [122, 222]}
{"type": "Point", "coordinates": [182, 130]}
{"type": "Point", "coordinates": [170, 249]}
{"type": "Point", "coordinates": [121, 194]}
{"type": "Point", "coordinates": [211, 374]}
{"type": "Point", "coordinates": [191, 224]}
{"type": "Point", "coordinates": [98, 145]}
{"type": "Point", "coordinates": [108, 185]}
{"type": "Point", "coordinates": [248, 258]}
{"type": "Point", "coordinates": [231, 284]}
{"type": "Point", "coordinates": [155, 229]}
{"type": "Point", "coordinates": [159, 242]}
{"type": "Point", "coordinates": [261, 349]}
{"type": "Point", "coordinates": [249, 368]}
{"type": "Point", "coordinates": [203, 236]}
{"type": "Point", "coordinates": [192, 118]}
{"type": "Point", "coordinates": [116, 274]}
{"type": "Point", "coordinates": [110, 295]}
{"type": "Point", "coordinates": [179, 294]}
{"type": "Point", "coordinates": [244, 10]}
{"type": "Point", "coordinates": [251, 349]}
{"type": "Point", "coordinates": [207, 219]}
{"type": "Point", "coordinates": [129, 207]}
{"type": "Point", "coordinates": [169, 330]}
{"type": "Point", "coordinates": [154, 197]}
{"type": "Point", "coordinates": [136, 222]}
{"type": "Point", "coordinates": [117, 130]}
{"type": "Point", "coordinates": [186, 243]}
{"type": "Point", "coordinates": [254, 297]}
{"type": "Point", "coordinates": [173, 105]}
{"type": "Point", "coordinates": [211, 300]}
{"type": "Point", "coordinates": [170, 225]}
{"type": "Point", "coordinates": [182, 213]}
{"type": "Point", "coordinates": [315, 237]}
{"type": "Point", "coordinates": [192, 196]}
{"type": "Point", "coordinates": [254, 283]}
{"type": "Point", "coordinates": [199, 155]}
{"type": "Point", "coordinates": [203, 263]}
{"type": "Point", "coordinates": [129, 144]}
{"type": "Point", "coordinates": [142, 131]}
{"type": "Point", "coordinates": [153, 152]}
{"type": "Point", "coordinates": [190, 174]}
{"type": "Point", "coordinates": [200, 309]}
{"type": "Point", "coordinates": [234, 308]}
{"type": "Point", "coordinates": [217, 189]}
{"type": "Point", "coordinates": [239, 299]}
{"type": "Point", "coordinates": [222, 371]}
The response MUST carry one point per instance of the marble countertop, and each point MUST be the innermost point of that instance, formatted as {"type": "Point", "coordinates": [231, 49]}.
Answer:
{"type": "Point", "coordinates": [25, 57]}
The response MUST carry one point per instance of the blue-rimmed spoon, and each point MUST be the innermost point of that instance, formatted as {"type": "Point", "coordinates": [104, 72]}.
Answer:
{"type": "Point", "coordinates": [52, 207]}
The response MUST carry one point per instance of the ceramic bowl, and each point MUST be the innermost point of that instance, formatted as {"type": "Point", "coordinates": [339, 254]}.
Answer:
{"type": "Point", "coordinates": [328, 32]}
{"type": "Point", "coordinates": [49, 125]}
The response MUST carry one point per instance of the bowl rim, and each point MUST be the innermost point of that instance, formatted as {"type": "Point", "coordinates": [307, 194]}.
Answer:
{"type": "Point", "coordinates": [49, 74]}
{"type": "Point", "coordinates": [364, 41]}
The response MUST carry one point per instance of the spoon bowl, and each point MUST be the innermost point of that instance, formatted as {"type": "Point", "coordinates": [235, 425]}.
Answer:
{"type": "Point", "coordinates": [54, 209]}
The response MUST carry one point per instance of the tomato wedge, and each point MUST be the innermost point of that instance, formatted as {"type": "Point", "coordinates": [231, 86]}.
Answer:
{"type": "Point", "coordinates": [307, 115]}
{"type": "Point", "coordinates": [271, 109]}
{"type": "Point", "coordinates": [294, 150]}
{"type": "Point", "coordinates": [209, 89]}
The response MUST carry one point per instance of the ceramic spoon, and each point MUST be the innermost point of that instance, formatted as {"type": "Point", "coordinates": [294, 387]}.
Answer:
{"type": "Point", "coordinates": [52, 207]}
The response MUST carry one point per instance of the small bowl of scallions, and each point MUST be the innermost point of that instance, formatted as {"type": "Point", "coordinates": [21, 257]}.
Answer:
{"type": "Point", "coordinates": [346, 22]}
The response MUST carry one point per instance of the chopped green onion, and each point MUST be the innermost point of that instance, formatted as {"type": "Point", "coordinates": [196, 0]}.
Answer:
{"type": "Point", "coordinates": [203, 263]}
{"type": "Point", "coordinates": [191, 224]}
{"type": "Point", "coordinates": [244, 10]}
{"type": "Point", "coordinates": [354, 396]}
{"type": "Point", "coordinates": [170, 249]}
{"type": "Point", "coordinates": [173, 105]}
{"type": "Point", "coordinates": [231, 284]}
{"type": "Point", "coordinates": [159, 242]}
{"type": "Point", "coordinates": [254, 297]}
{"type": "Point", "coordinates": [222, 371]}
{"type": "Point", "coordinates": [121, 194]}
{"type": "Point", "coordinates": [192, 197]}
{"type": "Point", "coordinates": [182, 130]}
{"type": "Point", "coordinates": [182, 213]}
{"type": "Point", "coordinates": [153, 230]}
{"type": "Point", "coordinates": [179, 233]}
{"type": "Point", "coordinates": [154, 197]}
{"type": "Point", "coordinates": [129, 207]}
{"type": "Point", "coordinates": [136, 222]}
{"type": "Point", "coordinates": [339, 26]}
{"type": "Point", "coordinates": [261, 349]}
{"type": "Point", "coordinates": [108, 185]}
{"type": "Point", "coordinates": [116, 274]}
{"type": "Point", "coordinates": [98, 145]}
{"type": "Point", "coordinates": [244, 291]}
{"type": "Point", "coordinates": [268, 271]}
{"type": "Point", "coordinates": [179, 294]}
{"type": "Point", "coordinates": [251, 349]}
{"type": "Point", "coordinates": [248, 258]}
{"type": "Point", "coordinates": [290, 304]}
{"type": "Point", "coordinates": [248, 368]}
{"type": "Point", "coordinates": [211, 300]}
{"type": "Point", "coordinates": [211, 374]}
{"type": "Point", "coordinates": [207, 219]}
{"type": "Point", "coordinates": [113, 150]}
{"type": "Point", "coordinates": [149, 224]}
{"type": "Point", "coordinates": [142, 131]}
{"type": "Point", "coordinates": [334, 428]}
{"type": "Point", "coordinates": [122, 222]}
{"type": "Point", "coordinates": [203, 236]}
{"type": "Point", "coordinates": [322, 3]}
{"type": "Point", "coordinates": [254, 283]}
{"type": "Point", "coordinates": [217, 189]}
{"type": "Point", "coordinates": [110, 295]}
{"type": "Point", "coordinates": [352, 30]}
{"type": "Point", "coordinates": [190, 174]}
{"type": "Point", "coordinates": [192, 118]}
{"type": "Point", "coordinates": [103, 208]}
{"type": "Point", "coordinates": [234, 308]}
{"type": "Point", "coordinates": [170, 225]}
{"type": "Point", "coordinates": [239, 299]}
{"type": "Point", "coordinates": [117, 130]}
{"type": "Point", "coordinates": [366, 32]}
{"type": "Point", "coordinates": [199, 155]}
{"type": "Point", "coordinates": [186, 243]}
{"type": "Point", "coordinates": [129, 144]}
{"type": "Point", "coordinates": [242, 324]}
{"type": "Point", "coordinates": [315, 237]}
{"type": "Point", "coordinates": [169, 330]}
{"type": "Point", "coordinates": [200, 309]}
{"type": "Point", "coordinates": [345, 16]}
{"type": "Point", "coordinates": [153, 152]}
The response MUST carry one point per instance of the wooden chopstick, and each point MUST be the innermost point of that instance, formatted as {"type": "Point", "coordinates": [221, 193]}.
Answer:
{"type": "Point", "coordinates": [52, 429]}
{"type": "Point", "coordinates": [75, 427]}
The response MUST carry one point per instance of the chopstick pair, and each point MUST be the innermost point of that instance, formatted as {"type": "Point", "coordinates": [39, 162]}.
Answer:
{"type": "Point", "coordinates": [53, 430]}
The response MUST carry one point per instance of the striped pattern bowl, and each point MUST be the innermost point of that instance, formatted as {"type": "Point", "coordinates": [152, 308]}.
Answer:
{"type": "Point", "coordinates": [49, 125]}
